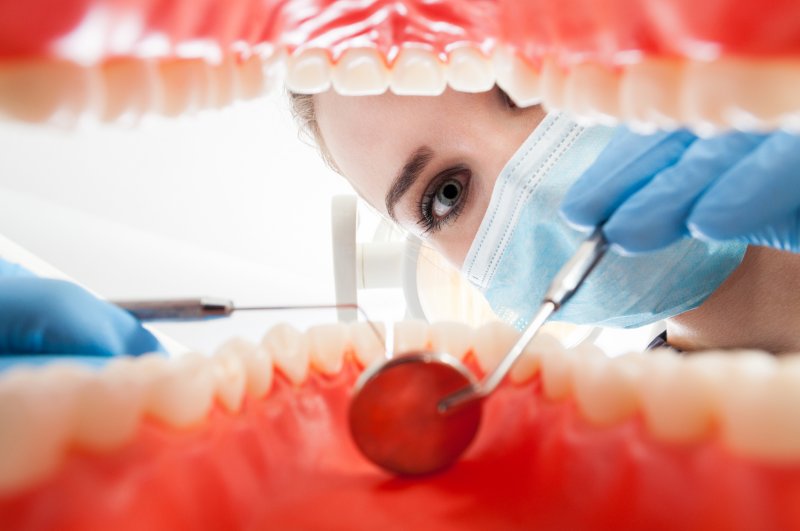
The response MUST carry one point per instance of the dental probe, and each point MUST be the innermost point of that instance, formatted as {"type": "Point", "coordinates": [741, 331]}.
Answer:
{"type": "Point", "coordinates": [416, 414]}
{"type": "Point", "coordinates": [201, 308]}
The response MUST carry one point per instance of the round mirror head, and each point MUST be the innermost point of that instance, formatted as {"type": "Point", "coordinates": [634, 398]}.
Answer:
{"type": "Point", "coordinates": [395, 420]}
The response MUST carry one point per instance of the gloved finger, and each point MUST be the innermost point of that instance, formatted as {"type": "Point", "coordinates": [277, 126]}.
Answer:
{"type": "Point", "coordinates": [625, 166]}
{"type": "Point", "coordinates": [129, 336]}
{"type": "Point", "coordinates": [762, 189]}
{"type": "Point", "coordinates": [11, 269]}
{"type": "Point", "coordinates": [46, 316]}
{"type": "Point", "coordinates": [656, 215]}
{"type": "Point", "coordinates": [784, 235]}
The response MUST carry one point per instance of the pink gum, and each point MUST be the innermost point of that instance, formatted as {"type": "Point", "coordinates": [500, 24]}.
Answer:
{"type": "Point", "coordinates": [607, 31]}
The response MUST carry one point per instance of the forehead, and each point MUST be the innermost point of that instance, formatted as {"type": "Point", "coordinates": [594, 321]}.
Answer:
{"type": "Point", "coordinates": [370, 137]}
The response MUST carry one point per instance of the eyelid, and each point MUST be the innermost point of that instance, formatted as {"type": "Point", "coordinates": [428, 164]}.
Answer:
{"type": "Point", "coordinates": [446, 174]}
{"type": "Point", "coordinates": [424, 207]}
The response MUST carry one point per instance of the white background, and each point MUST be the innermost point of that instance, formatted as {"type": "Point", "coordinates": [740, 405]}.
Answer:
{"type": "Point", "coordinates": [224, 203]}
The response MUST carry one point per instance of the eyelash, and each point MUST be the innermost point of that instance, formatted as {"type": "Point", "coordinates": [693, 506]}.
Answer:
{"type": "Point", "coordinates": [431, 224]}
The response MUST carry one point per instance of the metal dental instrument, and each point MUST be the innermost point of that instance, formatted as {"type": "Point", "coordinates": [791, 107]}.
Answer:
{"type": "Point", "coordinates": [200, 308]}
{"type": "Point", "coordinates": [203, 308]}
{"type": "Point", "coordinates": [417, 413]}
{"type": "Point", "coordinates": [562, 288]}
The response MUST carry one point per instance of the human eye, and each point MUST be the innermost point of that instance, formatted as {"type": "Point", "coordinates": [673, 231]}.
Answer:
{"type": "Point", "coordinates": [443, 199]}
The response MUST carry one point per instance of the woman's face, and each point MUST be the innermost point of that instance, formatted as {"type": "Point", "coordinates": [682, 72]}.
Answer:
{"type": "Point", "coordinates": [429, 163]}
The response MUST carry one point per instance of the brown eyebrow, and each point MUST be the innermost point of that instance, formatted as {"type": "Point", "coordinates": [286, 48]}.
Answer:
{"type": "Point", "coordinates": [410, 172]}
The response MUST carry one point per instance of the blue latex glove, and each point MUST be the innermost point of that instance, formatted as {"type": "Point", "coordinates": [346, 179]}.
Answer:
{"type": "Point", "coordinates": [45, 316]}
{"type": "Point", "coordinates": [658, 188]}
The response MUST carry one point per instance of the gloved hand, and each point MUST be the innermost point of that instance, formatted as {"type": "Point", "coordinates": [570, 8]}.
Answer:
{"type": "Point", "coordinates": [655, 189]}
{"type": "Point", "coordinates": [46, 316]}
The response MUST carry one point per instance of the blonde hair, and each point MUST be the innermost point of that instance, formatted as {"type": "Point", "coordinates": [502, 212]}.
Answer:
{"type": "Point", "coordinates": [305, 114]}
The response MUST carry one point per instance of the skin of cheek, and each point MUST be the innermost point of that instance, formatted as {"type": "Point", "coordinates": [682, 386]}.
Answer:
{"type": "Point", "coordinates": [371, 137]}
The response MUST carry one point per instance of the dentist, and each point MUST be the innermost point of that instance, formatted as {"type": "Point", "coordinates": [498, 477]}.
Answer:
{"type": "Point", "coordinates": [700, 226]}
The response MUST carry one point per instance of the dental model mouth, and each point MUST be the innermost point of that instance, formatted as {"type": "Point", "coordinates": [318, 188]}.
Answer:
{"type": "Point", "coordinates": [256, 437]}
{"type": "Point", "coordinates": [652, 64]}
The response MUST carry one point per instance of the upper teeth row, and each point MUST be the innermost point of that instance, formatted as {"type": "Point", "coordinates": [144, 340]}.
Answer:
{"type": "Point", "coordinates": [725, 93]}
{"type": "Point", "coordinates": [752, 399]}
{"type": "Point", "coordinates": [730, 92]}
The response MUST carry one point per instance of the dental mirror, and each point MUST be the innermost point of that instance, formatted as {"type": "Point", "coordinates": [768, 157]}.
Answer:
{"type": "Point", "coordinates": [395, 418]}
{"type": "Point", "coordinates": [417, 413]}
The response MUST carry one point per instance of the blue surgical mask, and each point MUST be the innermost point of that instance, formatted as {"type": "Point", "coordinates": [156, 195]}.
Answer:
{"type": "Point", "coordinates": [523, 242]}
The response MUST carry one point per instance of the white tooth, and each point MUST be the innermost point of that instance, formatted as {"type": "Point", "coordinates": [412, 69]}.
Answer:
{"type": "Point", "coordinates": [27, 90]}
{"type": "Point", "coordinates": [251, 80]}
{"type": "Point", "coordinates": [146, 368]}
{"type": "Point", "coordinates": [528, 364]}
{"type": "Point", "coordinates": [649, 94]}
{"type": "Point", "coordinates": [607, 389]}
{"type": "Point", "coordinates": [62, 381]}
{"type": "Point", "coordinates": [552, 83]}
{"type": "Point", "coordinates": [516, 77]}
{"type": "Point", "coordinates": [328, 346]}
{"type": "Point", "coordinates": [592, 91]}
{"type": "Point", "coordinates": [367, 347]}
{"type": "Point", "coordinates": [451, 338]}
{"type": "Point", "coordinates": [109, 407]}
{"type": "Point", "coordinates": [273, 66]}
{"type": "Point", "coordinates": [492, 342]}
{"type": "Point", "coordinates": [789, 361]}
{"type": "Point", "coordinates": [704, 95]}
{"type": "Point", "coordinates": [779, 103]}
{"type": "Point", "coordinates": [64, 378]}
{"type": "Point", "coordinates": [257, 365]}
{"type": "Point", "coordinates": [289, 350]}
{"type": "Point", "coordinates": [411, 336]}
{"type": "Point", "coordinates": [678, 394]}
{"type": "Point", "coordinates": [308, 72]}
{"type": "Point", "coordinates": [752, 362]}
{"type": "Point", "coordinates": [185, 86]}
{"type": "Point", "coordinates": [712, 367]}
{"type": "Point", "coordinates": [557, 369]}
{"type": "Point", "coordinates": [130, 87]}
{"type": "Point", "coordinates": [18, 378]}
{"type": "Point", "coordinates": [759, 417]}
{"type": "Point", "coordinates": [230, 378]}
{"type": "Point", "coordinates": [468, 70]}
{"type": "Point", "coordinates": [417, 72]}
{"type": "Point", "coordinates": [222, 85]}
{"type": "Point", "coordinates": [181, 395]}
{"type": "Point", "coordinates": [743, 93]}
{"type": "Point", "coordinates": [360, 72]}
{"type": "Point", "coordinates": [28, 452]}
{"type": "Point", "coordinates": [35, 416]}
